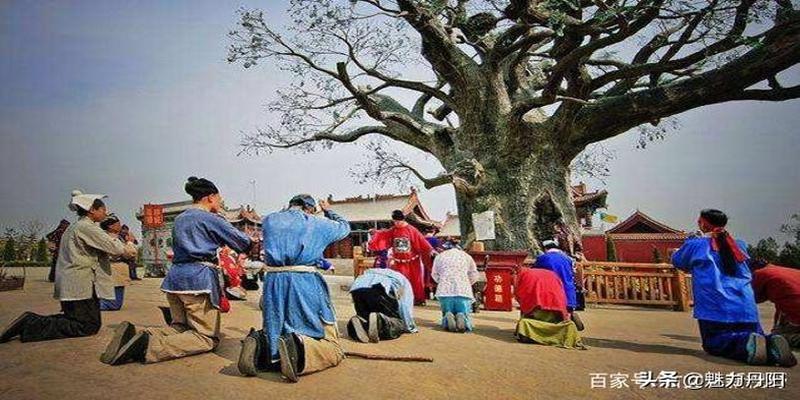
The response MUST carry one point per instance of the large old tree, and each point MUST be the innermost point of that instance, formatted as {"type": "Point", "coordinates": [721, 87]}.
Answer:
{"type": "Point", "coordinates": [506, 94]}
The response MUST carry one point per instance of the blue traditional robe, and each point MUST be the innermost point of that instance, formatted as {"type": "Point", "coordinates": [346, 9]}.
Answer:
{"type": "Point", "coordinates": [297, 302]}
{"type": "Point", "coordinates": [717, 297]}
{"type": "Point", "coordinates": [560, 263]}
{"type": "Point", "coordinates": [196, 236]}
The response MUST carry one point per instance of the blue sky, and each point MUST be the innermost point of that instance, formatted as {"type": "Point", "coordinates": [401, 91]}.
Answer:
{"type": "Point", "coordinates": [130, 98]}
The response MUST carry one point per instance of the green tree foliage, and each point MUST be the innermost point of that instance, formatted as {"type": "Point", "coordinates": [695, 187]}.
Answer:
{"type": "Point", "coordinates": [611, 250]}
{"type": "Point", "coordinates": [766, 249]}
{"type": "Point", "coordinates": [657, 256]}
{"type": "Point", "coordinates": [41, 250]}
{"type": "Point", "coordinates": [9, 249]}
{"type": "Point", "coordinates": [789, 254]}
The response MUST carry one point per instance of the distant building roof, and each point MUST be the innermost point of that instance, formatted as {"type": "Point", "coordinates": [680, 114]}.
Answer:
{"type": "Point", "coordinates": [176, 207]}
{"type": "Point", "coordinates": [648, 236]}
{"type": "Point", "coordinates": [242, 214]}
{"type": "Point", "coordinates": [380, 207]}
{"type": "Point", "coordinates": [582, 198]}
{"type": "Point", "coordinates": [641, 223]}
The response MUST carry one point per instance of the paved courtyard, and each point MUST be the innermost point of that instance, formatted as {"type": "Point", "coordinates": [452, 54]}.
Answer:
{"type": "Point", "coordinates": [487, 364]}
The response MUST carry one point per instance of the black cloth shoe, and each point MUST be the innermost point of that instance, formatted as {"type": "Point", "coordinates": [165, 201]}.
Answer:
{"type": "Point", "coordinates": [779, 352]}
{"type": "Point", "coordinates": [134, 350]}
{"type": "Point", "coordinates": [249, 356]}
{"type": "Point", "coordinates": [16, 326]}
{"type": "Point", "coordinates": [355, 329]}
{"type": "Point", "coordinates": [167, 313]}
{"type": "Point", "coordinates": [289, 352]}
{"type": "Point", "coordinates": [390, 328]}
{"type": "Point", "coordinates": [122, 335]}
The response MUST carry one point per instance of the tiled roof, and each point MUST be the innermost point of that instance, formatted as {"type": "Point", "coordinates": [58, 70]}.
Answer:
{"type": "Point", "coordinates": [176, 207]}
{"type": "Point", "coordinates": [242, 214]}
{"type": "Point", "coordinates": [599, 198]}
{"type": "Point", "coordinates": [648, 236]}
{"type": "Point", "coordinates": [364, 209]}
{"type": "Point", "coordinates": [580, 197]}
{"type": "Point", "coordinates": [380, 207]}
{"type": "Point", "coordinates": [643, 220]}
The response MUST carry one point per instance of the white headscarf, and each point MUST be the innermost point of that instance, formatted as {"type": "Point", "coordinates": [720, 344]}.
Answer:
{"type": "Point", "coordinates": [83, 201]}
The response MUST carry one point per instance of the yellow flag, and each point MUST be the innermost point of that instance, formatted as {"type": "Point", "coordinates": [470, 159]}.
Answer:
{"type": "Point", "coordinates": [611, 219]}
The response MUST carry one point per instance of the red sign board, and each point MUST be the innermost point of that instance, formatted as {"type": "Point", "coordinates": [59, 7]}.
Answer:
{"type": "Point", "coordinates": [499, 281]}
{"type": "Point", "coordinates": [153, 215]}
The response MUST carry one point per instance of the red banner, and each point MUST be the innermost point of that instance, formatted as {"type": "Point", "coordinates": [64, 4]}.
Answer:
{"type": "Point", "coordinates": [153, 215]}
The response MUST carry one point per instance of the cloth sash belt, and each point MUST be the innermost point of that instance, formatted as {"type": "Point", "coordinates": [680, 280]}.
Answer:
{"type": "Point", "coordinates": [291, 268]}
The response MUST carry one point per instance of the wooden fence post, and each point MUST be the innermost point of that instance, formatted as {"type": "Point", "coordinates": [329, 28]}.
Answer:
{"type": "Point", "coordinates": [679, 282]}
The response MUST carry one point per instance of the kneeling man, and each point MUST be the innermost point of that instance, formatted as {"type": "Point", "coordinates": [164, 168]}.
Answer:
{"type": "Point", "coordinates": [384, 300]}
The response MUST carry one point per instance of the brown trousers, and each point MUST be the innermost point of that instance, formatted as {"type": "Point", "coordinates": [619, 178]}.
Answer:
{"type": "Point", "coordinates": [194, 330]}
{"type": "Point", "coordinates": [322, 353]}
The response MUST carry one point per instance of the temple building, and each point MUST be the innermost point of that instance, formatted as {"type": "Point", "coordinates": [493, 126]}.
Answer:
{"type": "Point", "coordinates": [587, 203]}
{"type": "Point", "coordinates": [639, 238]}
{"type": "Point", "coordinates": [374, 212]}
{"type": "Point", "coordinates": [158, 219]}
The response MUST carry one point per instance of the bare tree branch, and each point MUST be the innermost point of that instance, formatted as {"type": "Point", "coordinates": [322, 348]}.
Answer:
{"type": "Point", "coordinates": [779, 50]}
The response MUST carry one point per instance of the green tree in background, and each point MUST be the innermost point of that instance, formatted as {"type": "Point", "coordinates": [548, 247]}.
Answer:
{"type": "Point", "coordinates": [41, 250]}
{"type": "Point", "coordinates": [789, 255]}
{"type": "Point", "coordinates": [611, 250]}
{"type": "Point", "coordinates": [657, 256]}
{"type": "Point", "coordinates": [10, 249]}
{"type": "Point", "coordinates": [766, 249]}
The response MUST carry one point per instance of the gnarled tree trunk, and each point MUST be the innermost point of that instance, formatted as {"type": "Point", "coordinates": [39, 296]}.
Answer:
{"type": "Point", "coordinates": [526, 186]}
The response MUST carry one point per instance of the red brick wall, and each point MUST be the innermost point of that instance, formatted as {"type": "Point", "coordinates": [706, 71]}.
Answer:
{"type": "Point", "coordinates": [642, 250]}
{"type": "Point", "coordinates": [594, 247]}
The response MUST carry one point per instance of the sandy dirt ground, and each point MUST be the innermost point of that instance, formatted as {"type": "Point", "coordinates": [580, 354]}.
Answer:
{"type": "Point", "coordinates": [486, 364]}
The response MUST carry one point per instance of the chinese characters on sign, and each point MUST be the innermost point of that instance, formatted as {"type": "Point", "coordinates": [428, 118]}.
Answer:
{"type": "Point", "coordinates": [498, 288]}
{"type": "Point", "coordinates": [690, 380]}
{"type": "Point", "coordinates": [153, 216]}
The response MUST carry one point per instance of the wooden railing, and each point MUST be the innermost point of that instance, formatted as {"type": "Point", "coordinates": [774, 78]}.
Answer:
{"type": "Point", "coordinates": [635, 284]}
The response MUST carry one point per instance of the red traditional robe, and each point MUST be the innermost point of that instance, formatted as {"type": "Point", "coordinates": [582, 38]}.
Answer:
{"type": "Point", "coordinates": [231, 266]}
{"type": "Point", "coordinates": [538, 288]}
{"type": "Point", "coordinates": [410, 254]}
{"type": "Point", "coordinates": [780, 285]}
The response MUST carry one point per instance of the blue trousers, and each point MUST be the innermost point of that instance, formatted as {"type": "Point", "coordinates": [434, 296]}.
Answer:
{"type": "Point", "coordinates": [455, 305]}
{"type": "Point", "coordinates": [727, 339]}
{"type": "Point", "coordinates": [116, 304]}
